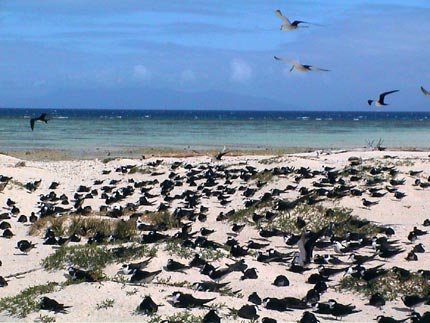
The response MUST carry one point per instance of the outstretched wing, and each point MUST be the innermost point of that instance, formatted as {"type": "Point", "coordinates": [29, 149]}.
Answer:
{"type": "Point", "coordinates": [424, 91]}
{"type": "Point", "coordinates": [284, 60]}
{"type": "Point", "coordinates": [314, 68]}
{"type": "Point", "coordinates": [284, 19]}
{"type": "Point", "coordinates": [43, 117]}
{"type": "Point", "coordinates": [382, 95]}
{"type": "Point", "coordinates": [297, 22]}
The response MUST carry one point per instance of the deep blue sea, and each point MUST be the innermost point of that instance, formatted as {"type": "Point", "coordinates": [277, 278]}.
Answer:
{"type": "Point", "coordinates": [90, 130]}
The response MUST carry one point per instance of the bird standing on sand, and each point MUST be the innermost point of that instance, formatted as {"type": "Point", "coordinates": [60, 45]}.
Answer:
{"type": "Point", "coordinates": [287, 25]}
{"type": "Point", "coordinates": [300, 67]}
{"type": "Point", "coordinates": [380, 102]}
{"type": "Point", "coordinates": [42, 117]}
{"type": "Point", "coordinates": [424, 91]}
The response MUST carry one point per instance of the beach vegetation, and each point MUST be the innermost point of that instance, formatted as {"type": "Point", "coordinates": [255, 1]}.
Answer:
{"type": "Point", "coordinates": [105, 304]}
{"type": "Point", "coordinates": [131, 292]}
{"type": "Point", "coordinates": [391, 286]}
{"type": "Point", "coordinates": [263, 176]}
{"type": "Point", "coordinates": [270, 160]}
{"type": "Point", "coordinates": [17, 183]}
{"type": "Point", "coordinates": [179, 317]}
{"type": "Point", "coordinates": [245, 215]}
{"type": "Point", "coordinates": [173, 247]}
{"type": "Point", "coordinates": [168, 282]}
{"type": "Point", "coordinates": [45, 319]}
{"type": "Point", "coordinates": [20, 164]}
{"type": "Point", "coordinates": [375, 145]}
{"type": "Point", "coordinates": [161, 217]}
{"type": "Point", "coordinates": [140, 170]}
{"type": "Point", "coordinates": [26, 301]}
{"type": "Point", "coordinates": [93, 256]}
{"type": "Point", "coordinates": [85, 226]}
{"type": "Point", "coordinates": [108, 160]}
{"type": "Point", "coordinates": [318, 217]}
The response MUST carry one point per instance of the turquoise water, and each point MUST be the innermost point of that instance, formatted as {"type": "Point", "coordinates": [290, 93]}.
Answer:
{"type": "Point", "coordinates": [124, 129]}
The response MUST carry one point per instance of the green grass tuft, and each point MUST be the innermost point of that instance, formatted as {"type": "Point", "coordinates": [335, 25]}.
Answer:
{"type": "Point", "coordinates": [26, 301]}
{"type": "Point", "coordinates": [93, 256]}
{"type": "Point", "coordinates": [390, 286]}
{"type": "Point", "coordinates": [105, 304]}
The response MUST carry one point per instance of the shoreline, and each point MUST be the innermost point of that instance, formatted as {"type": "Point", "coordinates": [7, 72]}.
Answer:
{"type": "Point", "coordinates": [144, 153]}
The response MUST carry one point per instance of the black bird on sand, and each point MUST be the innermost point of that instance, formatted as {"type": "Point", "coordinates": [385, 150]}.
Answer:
{"type": "Point", "coordinates": [254, 298]}
{"type": "Point", "coordinates": [181, 300]}
{"type": "Point", "coordinates": [42, 117]}
{"type": "Point", "coordinates": [143, 277]}
{"type": "Point", "coordinates": [368, 203]}
{"type": "Point", "coordinates": [248, 312]}
{"type": "Point", "coordinates": [79, 274]}
{"type": "Point", "coordinates": [308, 317]}
{"type": "Point", "coordinates": [376, 300]}
{"type": "Point", "coordinates": [340, 310]}
{"type": "Point", "coordinates": [25, 246]}
{"type": "Point", "coordinates": [49, 304]}
{"type": "Point", "coordinates": [211, 317]}
{"type": "Point", "coordinates": [389, 319]}
{"type": "Point", "coordinates": [147, 306]}
{"type": "Point", "coordinates": [412, 301]}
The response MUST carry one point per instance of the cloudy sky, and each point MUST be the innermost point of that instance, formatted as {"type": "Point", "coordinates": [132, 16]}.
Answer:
{"type": "Point", "coordinates": [213, 54]}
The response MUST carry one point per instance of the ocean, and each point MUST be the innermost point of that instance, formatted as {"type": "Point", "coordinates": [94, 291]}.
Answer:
{"type": "Point", "coordinates": [116, 130]}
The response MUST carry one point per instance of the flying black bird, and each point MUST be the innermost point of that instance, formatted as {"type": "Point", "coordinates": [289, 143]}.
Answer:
{"type": "Point", "coordinates": [380, 102]}
{"type": "Point", "coordinates": [42, 117]}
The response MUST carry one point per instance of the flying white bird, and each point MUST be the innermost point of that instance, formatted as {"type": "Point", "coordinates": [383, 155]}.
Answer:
{"type": "Point", "coordinates": [425, 92]}
{"type": "Point", "coordinates": [300, 67]}
{"type": "Point", "coordinates": [380, 102]}
{"type": "Point", "coordinates": [287, 25]}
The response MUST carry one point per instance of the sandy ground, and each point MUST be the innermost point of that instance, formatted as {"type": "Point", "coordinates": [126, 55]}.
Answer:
{"type": "Point", "coordinates": [84, 298]}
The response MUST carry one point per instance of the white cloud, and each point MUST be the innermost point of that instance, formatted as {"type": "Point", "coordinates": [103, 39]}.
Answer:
{"type": "Point", "coordinates": [240, 70]}
{"type": "Point", "coordinates": [141, 72]}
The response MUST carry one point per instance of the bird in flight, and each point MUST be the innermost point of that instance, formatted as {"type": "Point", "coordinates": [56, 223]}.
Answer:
{"type": "Point", "coordinates": [300, 67]}
{"type": "Point", "coordinates": [287, 25]}
{"type": "Point", "coordinates": [380, 102]}
{"type": "Point", "coordinates": [424, 91]}
{"type": "Point", "coordinates": [42, 117]}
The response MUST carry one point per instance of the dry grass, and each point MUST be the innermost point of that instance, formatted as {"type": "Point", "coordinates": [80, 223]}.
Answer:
{"type": "Point", "coordinates": [84, 226]}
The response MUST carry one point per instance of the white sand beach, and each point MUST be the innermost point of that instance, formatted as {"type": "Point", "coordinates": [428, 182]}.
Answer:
{"type": "Point", "coordinates": [114, 299]}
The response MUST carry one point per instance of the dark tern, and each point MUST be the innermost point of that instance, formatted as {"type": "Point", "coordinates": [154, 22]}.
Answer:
{"type": "Point", "coordinates": [380, 102]}
{"type": "Point", "coordinates": [42, 117]}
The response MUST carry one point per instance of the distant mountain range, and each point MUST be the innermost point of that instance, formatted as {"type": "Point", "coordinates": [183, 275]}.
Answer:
{"type": "Point", "coordinates": [145, 98]}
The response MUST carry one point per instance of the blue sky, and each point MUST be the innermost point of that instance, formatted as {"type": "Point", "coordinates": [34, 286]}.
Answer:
{"type": "Point", "coordinates": [212, 54]}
